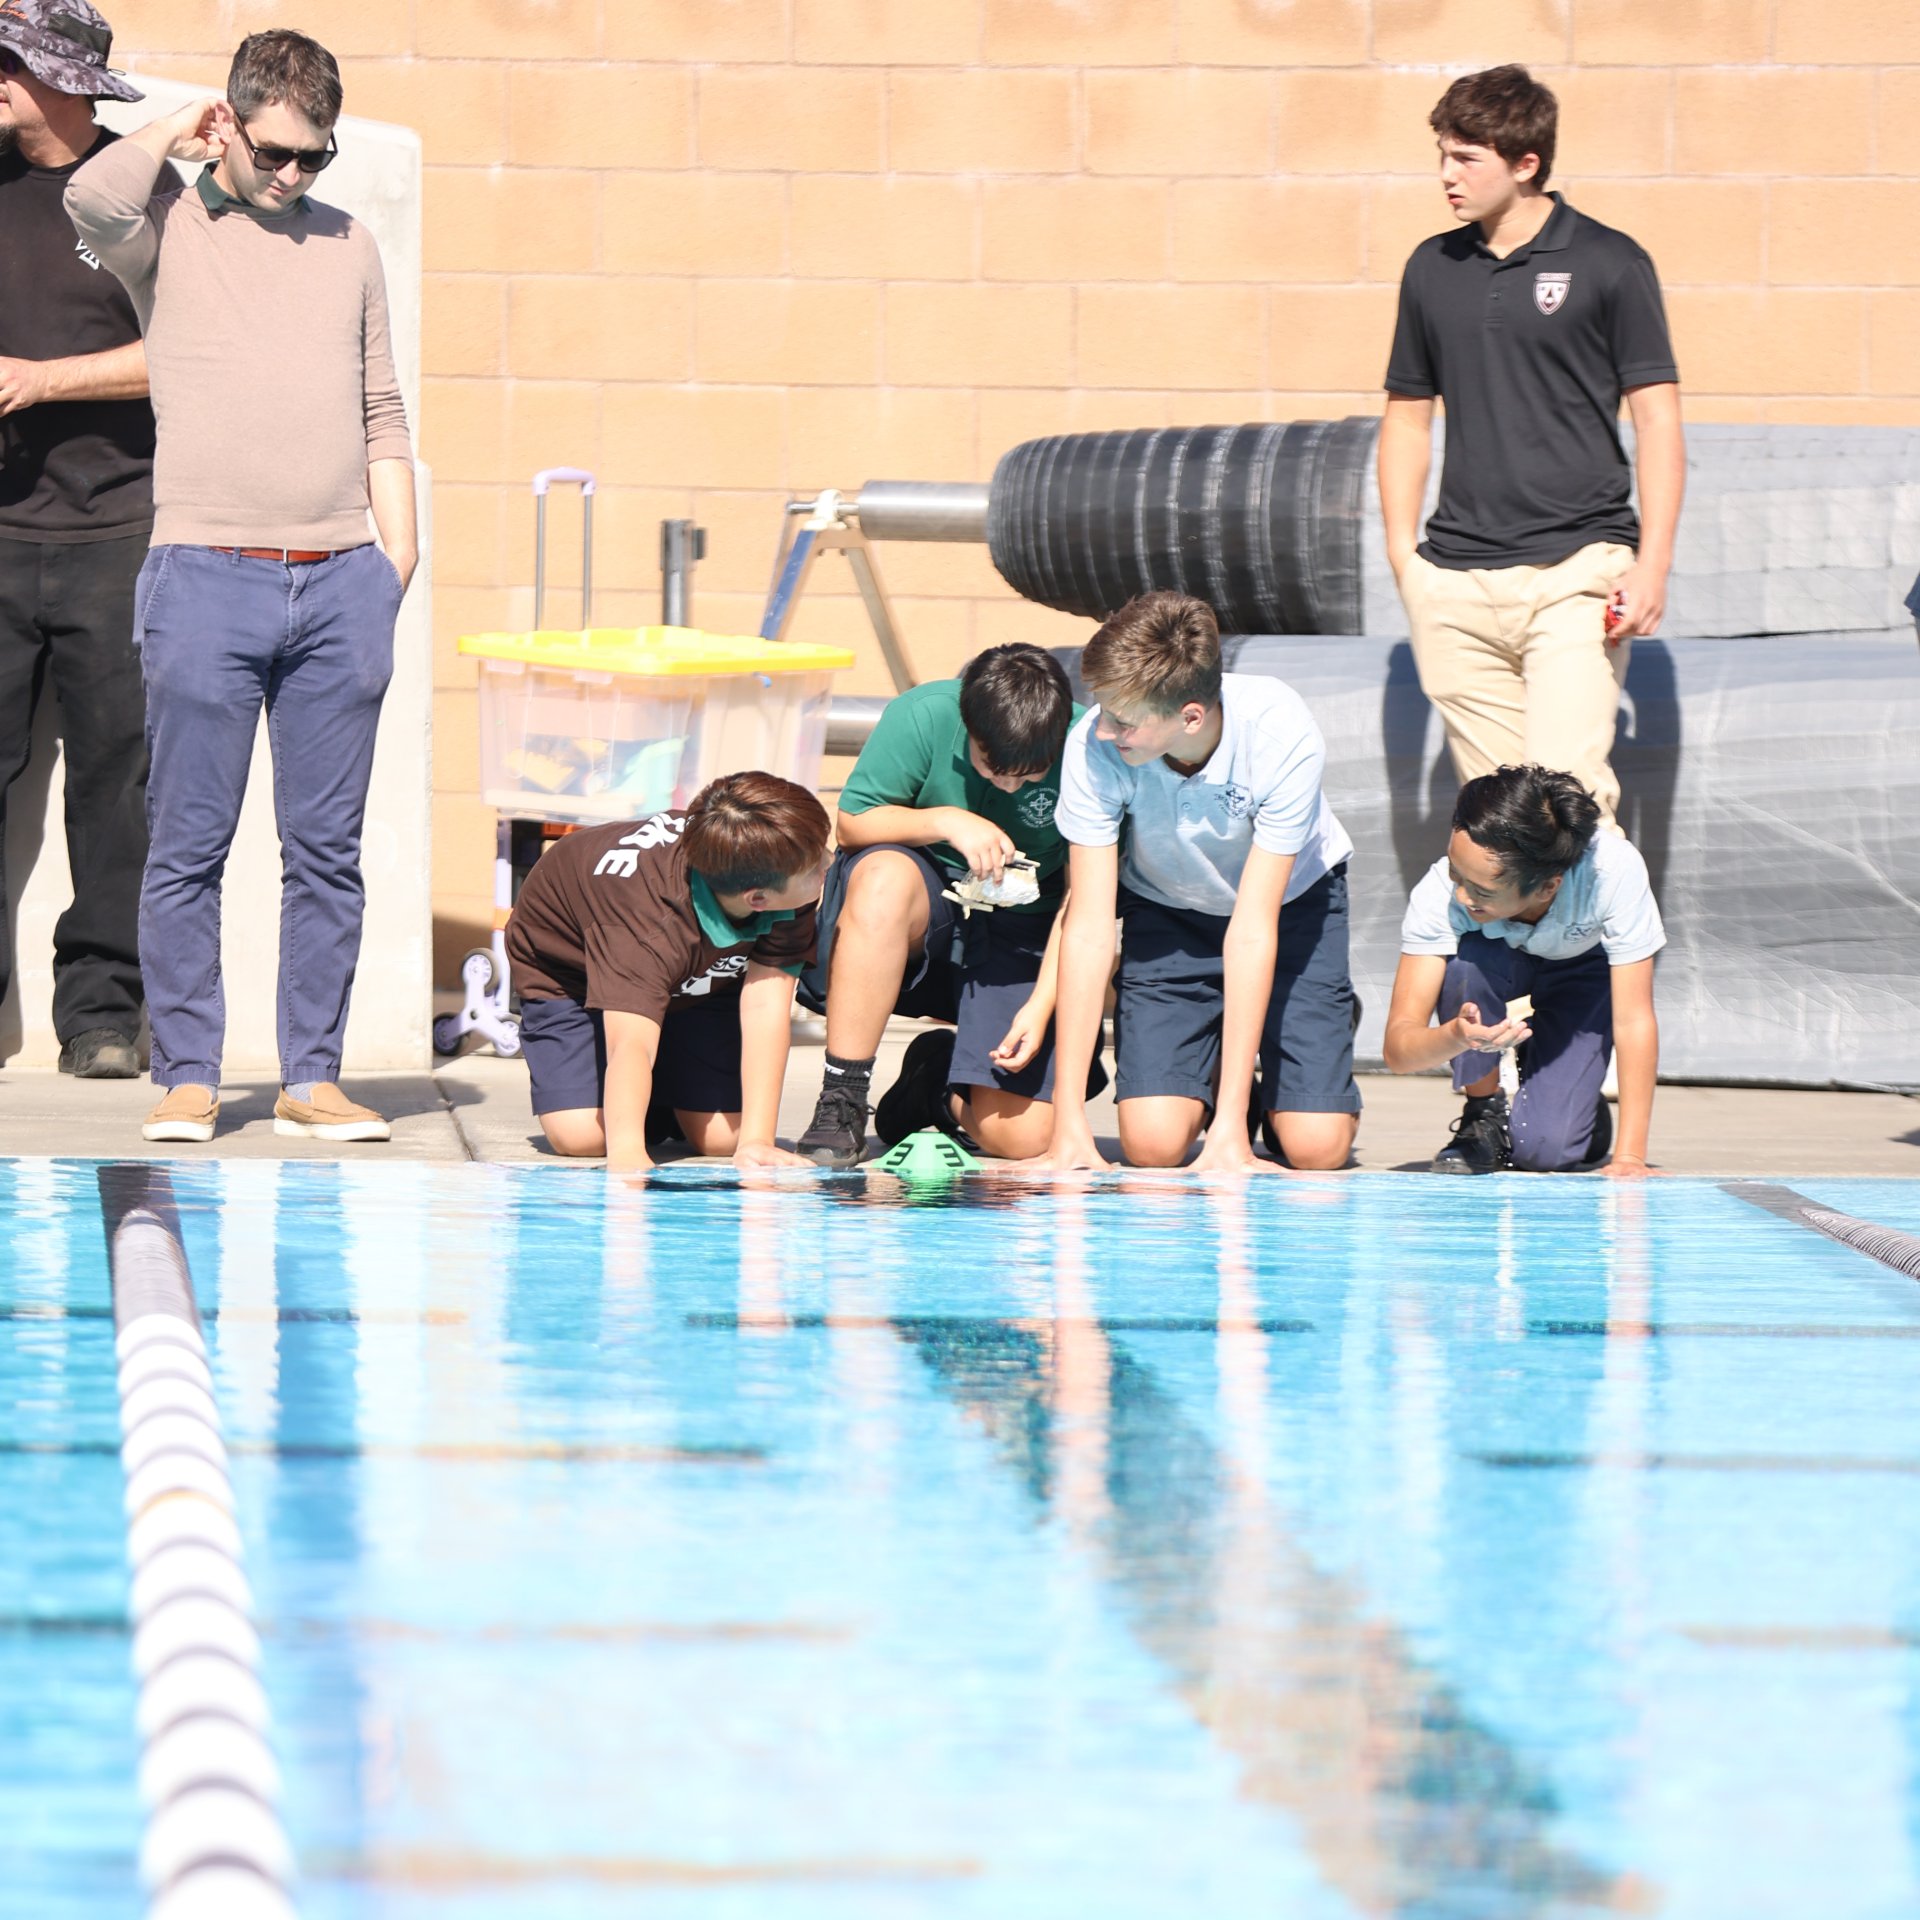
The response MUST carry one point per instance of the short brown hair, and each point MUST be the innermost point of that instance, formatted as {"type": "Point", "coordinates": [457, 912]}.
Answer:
{"type": "Point", "coordinates": [284, 68]}
{"type": "Point", "coordinates": [1504, 108]}
{"type": "Point", "coordinates": [751, 830]}
{"type": "Point", "coordinates": [1160, 651]}
{"type": "Point", "coordinates": [1016, 705]}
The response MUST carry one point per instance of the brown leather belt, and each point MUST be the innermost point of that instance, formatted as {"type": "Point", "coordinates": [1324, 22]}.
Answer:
{"type": "Point", "coordinates": [287, 556]}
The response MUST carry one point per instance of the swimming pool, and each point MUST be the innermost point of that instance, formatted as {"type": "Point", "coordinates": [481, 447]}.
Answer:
{"type": "Point", "coordinates": [1327, 1546]}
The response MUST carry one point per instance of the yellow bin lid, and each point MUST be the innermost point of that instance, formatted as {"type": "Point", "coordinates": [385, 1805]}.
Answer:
{"type": "Point", "coordinates": [653, 652]}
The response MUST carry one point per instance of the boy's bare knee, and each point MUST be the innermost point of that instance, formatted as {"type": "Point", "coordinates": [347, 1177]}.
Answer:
{"type": "Point", "coordinates": [1159, 1130]}
{"type": "Point", "coordinates": [881, 893]}
{"type": "Point", "coordinates": [714, 1134]}
{"type": "Point", "coordinates": [576, 1133]}
{"type": "Point", "coordinates": [1316, 1142]}
{"type": "Point", "coordinates": [1008, 1130]}
{"type": "Point", "coordinates": [1155, 1144]}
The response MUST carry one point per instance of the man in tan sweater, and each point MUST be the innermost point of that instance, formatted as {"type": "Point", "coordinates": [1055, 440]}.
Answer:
{"type": "Point", "coordinates": [280, 425]}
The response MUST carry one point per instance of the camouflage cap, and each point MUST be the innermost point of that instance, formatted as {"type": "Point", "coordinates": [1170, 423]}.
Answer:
{"type": "Point", "coordinates": [65, 43]}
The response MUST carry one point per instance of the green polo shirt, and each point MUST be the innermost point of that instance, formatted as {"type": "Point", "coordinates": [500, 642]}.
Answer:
{"type": "Point", "coordinates": [217, 200]}
{"type": "Point", "coordinates": [917, 757]}
{"type": "Point", "coordinates": [720, 926]}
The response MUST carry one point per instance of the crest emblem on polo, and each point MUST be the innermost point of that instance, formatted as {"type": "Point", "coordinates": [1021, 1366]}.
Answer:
{"type": "Point", "coordinates": [1036, 805]}
{"type": "Point", "coordinates": [1550, 291]}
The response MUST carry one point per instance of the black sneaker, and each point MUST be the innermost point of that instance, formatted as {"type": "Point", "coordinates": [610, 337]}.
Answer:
{"type": "Point", "coordinates": [1481, 1142]}
{"type": "Point", "coordinates": [100, 1054]}
{"type": "Point", "coordinates": [838, 1134]}
{"type": "Point", "coordinates": [919, 1097]}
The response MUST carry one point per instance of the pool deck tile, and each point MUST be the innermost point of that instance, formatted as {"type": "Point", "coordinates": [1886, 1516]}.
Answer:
{"type": "Point", "coordinates": [475, 1108]}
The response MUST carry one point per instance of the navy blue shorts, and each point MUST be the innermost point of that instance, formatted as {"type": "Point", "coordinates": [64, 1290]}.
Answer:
{"type": "Point", "coordinates": [697, 1069]}
{"type": "Point", "coordinates": [1172, 994]}
{"type": "Point", "coordinates": [975, 971]}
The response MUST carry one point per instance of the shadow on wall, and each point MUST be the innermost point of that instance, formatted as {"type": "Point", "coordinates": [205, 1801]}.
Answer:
{"type": "Point", "coordinates": [1422, 791]}
{"type": "Point", "coordinates": [24, 808]}
{"type": "Point", "coordinates": [1646, 756]}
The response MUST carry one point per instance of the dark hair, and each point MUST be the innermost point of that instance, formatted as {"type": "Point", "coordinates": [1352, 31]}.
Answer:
{"type": "Point", "coordinates": [284, 68]}
{"type": "Point", "coordinates": [1537, 824]}
{"type": "Point", "coordinates": [751, 830]}
{"type": "Point", "coordinates": [1504, 108]}
{"type": "Point", "coordinates": [1160, 651]}
{"type": "Point", "coordinates": [1017, 705]}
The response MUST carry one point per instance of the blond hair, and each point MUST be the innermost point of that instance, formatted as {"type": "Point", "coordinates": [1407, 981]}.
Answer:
{"type": "Point", "coordinates": [1160, 652]}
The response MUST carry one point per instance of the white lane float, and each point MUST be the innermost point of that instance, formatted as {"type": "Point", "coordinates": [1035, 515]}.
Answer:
{"type": "Point", "coordinates": [215, 1847]}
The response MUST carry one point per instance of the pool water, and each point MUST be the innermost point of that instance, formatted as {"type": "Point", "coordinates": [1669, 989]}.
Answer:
{"type": "Point", "coordinates": [1320, 1547]}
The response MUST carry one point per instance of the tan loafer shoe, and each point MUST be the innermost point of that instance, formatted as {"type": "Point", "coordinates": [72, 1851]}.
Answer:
{"type": "Point", "coordinates": [188, 1112]}
{"type": "Point", "coordinates": [329, 1115]}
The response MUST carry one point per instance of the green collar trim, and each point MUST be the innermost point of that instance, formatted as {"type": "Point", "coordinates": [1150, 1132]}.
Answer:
{"type": "Point", "coordinates": [217, 200]}
{"type": "Point", "coordinates": [719, 928]}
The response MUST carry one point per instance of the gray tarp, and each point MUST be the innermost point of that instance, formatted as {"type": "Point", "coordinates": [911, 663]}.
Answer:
{"type": "Point", "coordinates": [1773, 785]}
{"type": "Point", "coordinates": [1809, 530]}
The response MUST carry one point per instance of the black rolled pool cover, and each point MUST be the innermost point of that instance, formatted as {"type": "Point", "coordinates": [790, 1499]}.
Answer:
{"type": "Point", "coordinates": [1262, 522]}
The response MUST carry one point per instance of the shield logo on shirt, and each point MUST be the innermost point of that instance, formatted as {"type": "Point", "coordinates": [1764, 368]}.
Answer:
{"type": "Point", "coordinates": [1550, 291]}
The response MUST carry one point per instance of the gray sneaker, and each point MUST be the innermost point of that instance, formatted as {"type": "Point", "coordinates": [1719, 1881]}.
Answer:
{"type": "Point", "coordinates": [101, 1053]}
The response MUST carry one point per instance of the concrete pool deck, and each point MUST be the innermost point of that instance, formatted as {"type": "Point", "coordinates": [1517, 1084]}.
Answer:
{"type": "Point", "coordinates": [475, 1109]}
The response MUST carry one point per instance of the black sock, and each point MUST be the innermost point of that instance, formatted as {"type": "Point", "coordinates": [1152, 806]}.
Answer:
{"type": "Point", "coordinates": [855, 1075]}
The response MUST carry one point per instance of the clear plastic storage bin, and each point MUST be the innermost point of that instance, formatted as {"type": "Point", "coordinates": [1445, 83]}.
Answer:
{"type": "Point", "coordinates": [618, 722]}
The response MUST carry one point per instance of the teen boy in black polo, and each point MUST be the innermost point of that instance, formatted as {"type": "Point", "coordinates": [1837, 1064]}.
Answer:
{"type": "Point", "coordinates": [1531, 322]}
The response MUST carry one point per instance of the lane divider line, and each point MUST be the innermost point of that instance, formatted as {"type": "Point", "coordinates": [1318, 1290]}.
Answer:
{"type": "Point", "coordinates": [214, 1848]}
{"type": "Point", "coordinates": [1888, 1245]}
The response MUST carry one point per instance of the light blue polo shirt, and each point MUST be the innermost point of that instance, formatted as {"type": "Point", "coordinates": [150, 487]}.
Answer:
{"type": "Point", "coordinates": [1605, 901]}
{"type": "Point", "coordinates": [1187, 836]}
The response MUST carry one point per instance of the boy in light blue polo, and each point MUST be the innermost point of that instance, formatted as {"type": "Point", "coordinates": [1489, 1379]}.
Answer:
{"type": "Point", "coordinates": [1191, 801]}
{"type": "Point", "coordinates": [1535, 934]}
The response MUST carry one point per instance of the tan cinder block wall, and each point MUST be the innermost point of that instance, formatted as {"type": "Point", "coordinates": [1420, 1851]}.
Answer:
{"type": "Point", "coordinates": [725, 251]}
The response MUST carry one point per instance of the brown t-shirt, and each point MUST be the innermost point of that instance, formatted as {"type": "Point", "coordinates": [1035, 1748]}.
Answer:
{"type": "Point", "coordinates": [614, 918]}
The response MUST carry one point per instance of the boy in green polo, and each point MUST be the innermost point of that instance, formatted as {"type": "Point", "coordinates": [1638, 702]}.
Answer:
{"type": "Point", "coordinates": [956, 785]}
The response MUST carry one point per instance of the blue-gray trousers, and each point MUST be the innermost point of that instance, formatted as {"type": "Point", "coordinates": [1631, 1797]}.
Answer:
{"type": "Point", "coordinates": [220, 637]}
{"type": "Point", "coordinates": [1562, 1066]}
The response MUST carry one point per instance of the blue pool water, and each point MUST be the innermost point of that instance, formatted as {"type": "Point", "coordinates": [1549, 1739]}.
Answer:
{"type": "Point", "coordinates": [1326, 1548]}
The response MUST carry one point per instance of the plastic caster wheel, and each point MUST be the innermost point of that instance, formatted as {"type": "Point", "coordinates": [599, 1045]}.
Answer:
{"type": "Point", "coordinates": [447, 1035]}
{"type": "Point", "coordinates": [477, 970]}
{"type": "Point", "coordinates": [506, 1042]}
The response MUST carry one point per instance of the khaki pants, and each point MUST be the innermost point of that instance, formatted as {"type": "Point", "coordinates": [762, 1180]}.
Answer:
{"type": "Point", "coordinates": [1515, 660]}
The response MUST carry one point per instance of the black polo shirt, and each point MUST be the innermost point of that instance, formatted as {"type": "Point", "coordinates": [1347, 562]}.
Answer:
{"type": "Point", "coordinates": [1530, 355]}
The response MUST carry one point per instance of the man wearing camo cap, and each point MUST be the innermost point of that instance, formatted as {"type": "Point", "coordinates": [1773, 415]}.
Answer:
{"type": "Point", "coordinates": [76, 512]}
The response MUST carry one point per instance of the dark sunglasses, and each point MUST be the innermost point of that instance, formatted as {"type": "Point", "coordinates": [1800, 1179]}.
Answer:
{"type": "Point", "coordinates": [272, 159]}
{"type": "Point", "coordinates": [11, 63]}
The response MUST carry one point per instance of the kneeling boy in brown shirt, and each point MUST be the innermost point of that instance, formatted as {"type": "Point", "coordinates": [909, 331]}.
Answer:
{"type": "Point", "coordinates": [655, 962]}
